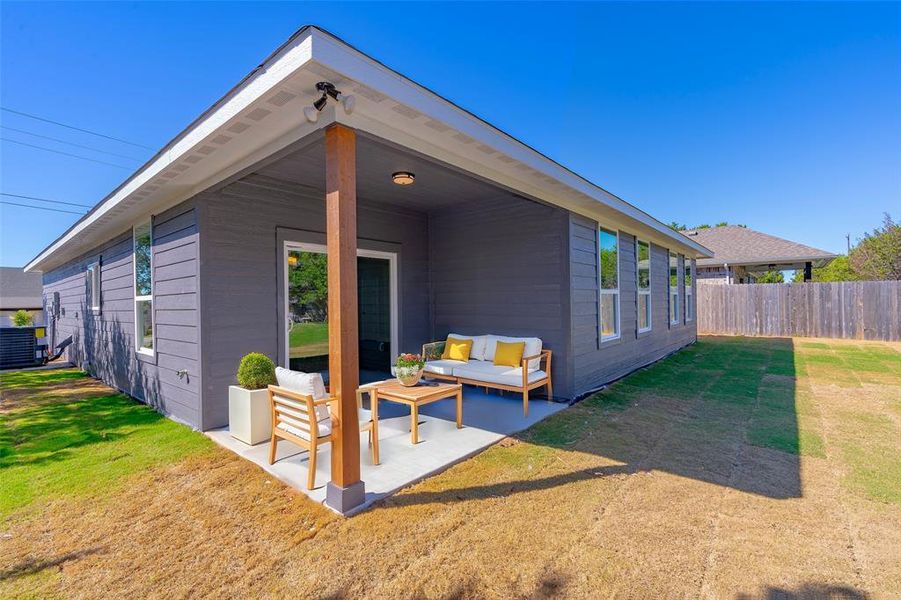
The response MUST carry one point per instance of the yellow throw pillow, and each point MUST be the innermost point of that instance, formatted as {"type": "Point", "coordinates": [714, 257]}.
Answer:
{"type": "Point", "coordinates": [455, 349]}
{"type": "Point", "coordinates": [509, 354]}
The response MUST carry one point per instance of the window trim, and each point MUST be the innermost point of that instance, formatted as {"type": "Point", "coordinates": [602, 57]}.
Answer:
{"type": "Point", "coordinates": [674, 317]}
{"type": "Point", "coordinates": [95, 282]}
{"type": "Point", "coordinates": [639, 292]}
{"type": "Point", "coordinates": [604, 292]}
{"type": "Point", "coordinates": [689, 289]}
{"type": "Point", "coordinates": [140, 349]}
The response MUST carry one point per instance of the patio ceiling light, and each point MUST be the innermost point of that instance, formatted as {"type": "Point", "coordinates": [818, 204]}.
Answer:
{"type": "Point", "coordinates": [403, 178]}
{"type": "Point", "coordinates": [328, 89]}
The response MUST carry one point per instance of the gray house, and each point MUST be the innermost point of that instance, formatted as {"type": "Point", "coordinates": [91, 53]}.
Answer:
{"type": "Point", "coordinates": [216, 247]}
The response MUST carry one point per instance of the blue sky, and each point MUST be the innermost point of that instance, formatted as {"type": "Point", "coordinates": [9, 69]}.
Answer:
{"type": "Point", "coordinates": [785, 117]}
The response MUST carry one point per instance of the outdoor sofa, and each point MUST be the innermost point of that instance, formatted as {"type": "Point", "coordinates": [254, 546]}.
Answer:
{"type": "Point", "coordinates": [479, 369]}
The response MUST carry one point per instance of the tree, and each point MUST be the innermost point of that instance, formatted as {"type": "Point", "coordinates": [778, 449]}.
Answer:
{"type": "Point", "coordinates": [677, 226]}
{"type": "Point", "coordinates": [308, 289]}
{"type": "Point", "coordinates": [771, 277]}
{"type": "Point", "coordinates": [22, 318]}
{"type": "Point", "coordinates": [878, 255]}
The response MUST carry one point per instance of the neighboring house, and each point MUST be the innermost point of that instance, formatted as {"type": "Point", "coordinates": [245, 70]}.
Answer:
{"type": "Point", "coordinates": [20, 290]}
{"type": "Point", "coordinates": [740, 255]}
{"type": "Point", "coordinates": [215, 247]}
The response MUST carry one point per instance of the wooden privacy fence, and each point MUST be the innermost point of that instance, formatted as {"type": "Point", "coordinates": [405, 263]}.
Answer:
{"type": "Point", "coordinates": [867, 310]}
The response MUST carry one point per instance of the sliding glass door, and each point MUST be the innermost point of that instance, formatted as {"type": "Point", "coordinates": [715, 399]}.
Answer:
{"type": "Point", "coordinates": [306, 310]}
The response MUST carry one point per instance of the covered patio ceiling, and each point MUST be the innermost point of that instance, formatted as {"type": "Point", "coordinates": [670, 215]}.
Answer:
{"type": "Point", "coordinates": [436, 186]}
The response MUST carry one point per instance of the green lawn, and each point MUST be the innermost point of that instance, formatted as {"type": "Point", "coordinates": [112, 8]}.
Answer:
{"type": "Point", "coordinates": [308, 339]}
{"type": "Point", "coordinates": [62, 433]}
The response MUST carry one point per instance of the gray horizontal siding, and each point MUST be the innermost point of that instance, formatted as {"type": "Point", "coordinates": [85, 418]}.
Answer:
{"type": "Point", "coordinates": [107, 340]}
{"type": "Point", "coordinates": [595, 363]}
{"type": "Point", "coordinates": [499, 266]}
{"type": "Point", "coordinates": [241, 225]}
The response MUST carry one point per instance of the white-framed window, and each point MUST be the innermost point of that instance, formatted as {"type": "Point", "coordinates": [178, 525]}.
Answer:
{"type": "Point", "coordinates": [608, 248]}
{"type": "Point", "coordinates": [689, 289]}
{"type": "Point", "coordinates": [673, 288]}
{"type": "Point", "coordinates": [92, 281]}
{"type": "Point", "coordinates": [143, 265]}
{"type": "Point", "coordinates": [643, 275]}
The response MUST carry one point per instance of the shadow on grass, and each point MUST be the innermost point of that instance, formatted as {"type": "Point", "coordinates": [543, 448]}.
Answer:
{"type": "Point", "coordinates": [32, 566]}
{"type": "Point", "coordinates": [721, 411]}
{"type": "Point", "coordinates": [26, 379]}
{"type": "Point", "coordinates": [809, 591]}
{"type": "Point", "coordinates": [52, 432]}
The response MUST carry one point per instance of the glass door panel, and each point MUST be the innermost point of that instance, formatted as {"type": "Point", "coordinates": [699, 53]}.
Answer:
{"type": "Point", "coordinates": [374, 302]}
{"type": "Point", "coordinates": [307, 311]}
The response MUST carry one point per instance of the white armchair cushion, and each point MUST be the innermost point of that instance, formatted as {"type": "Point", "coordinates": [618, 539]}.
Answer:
{"type": "Point", "coordinates": [324, 427]}
{"type": "Point", "coordinates": [477, 352]}
{"type": "Point", "coordinates": [532, 348]}
{"type": "Point", "coordinates": [308, 384]}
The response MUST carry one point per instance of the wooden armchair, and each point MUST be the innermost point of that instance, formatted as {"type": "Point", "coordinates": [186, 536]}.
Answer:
{"type": "Point", "coordinates": [543, 357]}
{"type": "Point", "coordinates": [294, 419]}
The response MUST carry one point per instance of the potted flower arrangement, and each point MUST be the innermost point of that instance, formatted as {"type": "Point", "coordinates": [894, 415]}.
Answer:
{"type": "Point", "coordinates": [408, 369]}
{"type": "Point", "coordinates": [249, 419]}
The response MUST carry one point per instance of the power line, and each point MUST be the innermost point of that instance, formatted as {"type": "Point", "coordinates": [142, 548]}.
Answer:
{"type": "Point", "coordinates": [43, 199]}
{"type": "Point", "coordinates": [37, 118]}
{"type": "Point", "coordinates": [59, 210]}
{"type": "Point", "coordinates": [47, 137]}
{"type": "Point", "coordinates": [102, 162]}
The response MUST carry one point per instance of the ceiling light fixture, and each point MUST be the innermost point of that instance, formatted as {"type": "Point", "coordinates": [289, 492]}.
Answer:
{"type": "Point", "coordinates": [403, 178]}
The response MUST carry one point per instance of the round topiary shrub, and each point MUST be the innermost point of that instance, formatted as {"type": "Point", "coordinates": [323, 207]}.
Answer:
{"type": "Point", "coordinates": [256, 371]}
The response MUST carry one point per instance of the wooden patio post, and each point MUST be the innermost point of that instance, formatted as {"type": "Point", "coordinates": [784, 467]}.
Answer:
{"type": "Point", "coordinates": [345, 490]}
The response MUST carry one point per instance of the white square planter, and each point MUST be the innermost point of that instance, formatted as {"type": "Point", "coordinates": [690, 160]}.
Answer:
{"type": "Point", "coordinates": [249, 418]}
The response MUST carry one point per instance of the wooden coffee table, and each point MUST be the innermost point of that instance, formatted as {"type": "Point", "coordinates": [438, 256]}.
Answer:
{"type": "Point", "coordinates": [417, 396]}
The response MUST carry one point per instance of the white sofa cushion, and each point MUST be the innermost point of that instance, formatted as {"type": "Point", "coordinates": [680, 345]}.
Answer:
{"type": "Point", "coordinates": [488, 372]}
{"type": "Point", "coordinates": [308, 384]}
{"type": "Point", "coordinates": [444, 366]}
{"type": "Point", "coordinates": [478, 344]}
{"type": "Point", "coordinates": [532, 348]}
{"type": "Point", "coordinates": [324, 428]}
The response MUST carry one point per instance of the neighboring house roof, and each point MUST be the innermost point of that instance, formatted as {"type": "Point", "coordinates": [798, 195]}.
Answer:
{"type": "Point", "coordinates": [263, 116]}
{"type": "Point", "coordinates": [19, 289]}
{"type": "Point", "coordinates": [735, 245]}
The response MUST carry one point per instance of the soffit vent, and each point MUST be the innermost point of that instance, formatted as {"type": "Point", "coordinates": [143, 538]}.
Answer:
{"type": "Point", "coordinates": [406, 111]}
{"type": "Point", "coordinates": [258, 114]}
{"type": "Point", "coordinates": [369, 93]}
{"type": "Point", "coordinates": [281, 98]}
{"type": "Point", "coordinates": [239, 127]}
{"type": "Point", "coordinates": [436, 125]}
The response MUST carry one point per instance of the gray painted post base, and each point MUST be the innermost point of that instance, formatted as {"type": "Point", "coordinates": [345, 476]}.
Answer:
{"type": "Point", "coordinates": [344, 500]}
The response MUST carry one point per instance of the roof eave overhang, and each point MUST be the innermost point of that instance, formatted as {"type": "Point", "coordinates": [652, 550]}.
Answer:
{"type": "Point", "coordinates": [263, 115]}
{"type": "Point", "coordinates": [781, 262]}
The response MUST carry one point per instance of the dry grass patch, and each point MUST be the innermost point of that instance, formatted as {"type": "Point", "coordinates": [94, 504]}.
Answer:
{"type": "Point", "coordinates": [695, 477]}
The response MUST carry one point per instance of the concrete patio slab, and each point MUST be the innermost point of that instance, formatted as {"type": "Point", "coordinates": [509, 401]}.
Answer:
{"type": "Point", "coordinates": [487, 419]}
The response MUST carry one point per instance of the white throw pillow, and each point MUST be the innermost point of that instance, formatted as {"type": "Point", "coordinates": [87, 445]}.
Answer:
{"type": "Point", "coordinates": [477, 352]}
{"type": "Point", "coordinates": [308, 384]}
